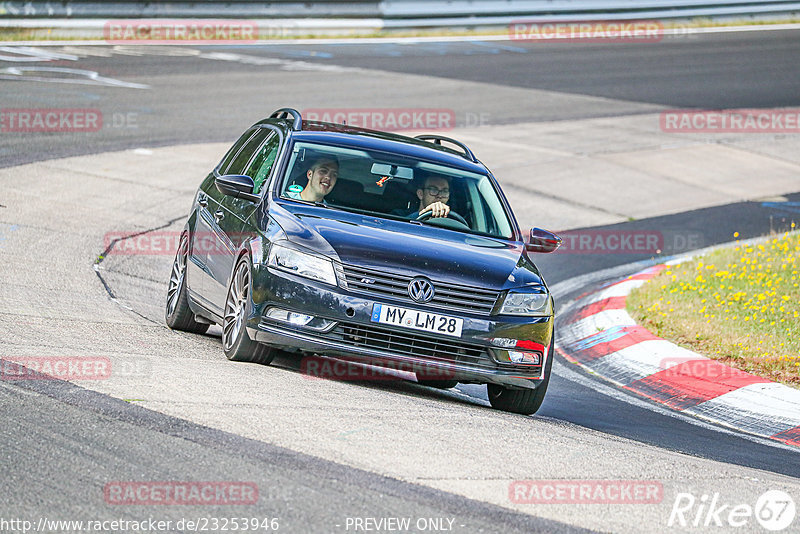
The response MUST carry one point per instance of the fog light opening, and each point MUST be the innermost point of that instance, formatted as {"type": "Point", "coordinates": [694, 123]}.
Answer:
{"type": "Point", "coordinates": [529, 358]}
{"type": "Point", "coordinates": [298, 319]}
{"type": "Point", "coordinates": [521, 351]}
{"type": "Point", "coordinates": [286, 316]}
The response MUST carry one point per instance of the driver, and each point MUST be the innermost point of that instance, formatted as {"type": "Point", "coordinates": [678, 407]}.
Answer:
{"type": "Point", "coordinates": [433, 194]}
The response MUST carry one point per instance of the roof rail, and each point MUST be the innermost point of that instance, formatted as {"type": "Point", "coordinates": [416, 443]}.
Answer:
{"type": "Point", "coordinates": [283, 113]}
{"type": "Point", "coordinates": [437, 140]}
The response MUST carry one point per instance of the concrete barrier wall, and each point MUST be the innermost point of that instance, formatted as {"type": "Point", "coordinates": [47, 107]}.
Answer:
{"type": "Point", "coordinates": [454, 11]}
{"type": "Point", "coordinates": [198, 9]}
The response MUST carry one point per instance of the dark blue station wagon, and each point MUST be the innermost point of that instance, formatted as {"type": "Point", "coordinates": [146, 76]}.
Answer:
{"type": "Point", "coordinates": [375, 248]}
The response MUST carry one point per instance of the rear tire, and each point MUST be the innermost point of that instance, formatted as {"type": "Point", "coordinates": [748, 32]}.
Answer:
{"type": "Point", "coordinates": [178, 315]}
{"type": "Point", "coordinates": [521, 401]}
{"type": "Point", "coordinates": [236, 343]}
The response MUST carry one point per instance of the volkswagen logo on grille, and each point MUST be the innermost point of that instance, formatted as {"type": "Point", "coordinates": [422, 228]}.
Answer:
{"type": "Point", "coordinates": [421, 290]}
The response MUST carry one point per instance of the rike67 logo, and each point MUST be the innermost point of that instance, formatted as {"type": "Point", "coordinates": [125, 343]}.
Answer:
{"type": "Point", "coordinates": [774, 511]}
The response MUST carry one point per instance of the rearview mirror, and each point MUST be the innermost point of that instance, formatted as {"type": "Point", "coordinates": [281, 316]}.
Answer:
{"type": "Point", "coordinates": [237, 185]}
{"type": "Point", "coordinates": [542, 241]}
{"type": "Point", "coordinates": [393, 171]}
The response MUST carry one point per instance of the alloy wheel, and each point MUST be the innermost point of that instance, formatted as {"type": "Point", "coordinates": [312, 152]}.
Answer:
{"type": "Point", "coordinates": [178, 275]}
{"type": "Point", "coordinates": [235, 305]}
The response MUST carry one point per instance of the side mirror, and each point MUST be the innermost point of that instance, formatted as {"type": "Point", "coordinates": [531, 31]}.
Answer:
{"type": "Point", "coordinates": [237, 185]}
{"type": "Point", "coordinates": [542, 241]}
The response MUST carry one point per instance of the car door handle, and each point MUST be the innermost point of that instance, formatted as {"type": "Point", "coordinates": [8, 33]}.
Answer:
{"type": "Point", "coordinates": [202, 200]}
{"type": "Point", "coordinates": [219, 215]}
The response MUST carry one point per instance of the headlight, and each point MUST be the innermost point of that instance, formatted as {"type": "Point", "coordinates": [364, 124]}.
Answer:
{"type": "Point", "coordinates": [302, 264]}
{"type": "Point", "coordinates": [534, 301]}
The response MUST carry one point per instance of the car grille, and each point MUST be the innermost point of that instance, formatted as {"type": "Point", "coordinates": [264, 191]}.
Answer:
{"type": "Point", "coordinates": [414, 345]}
{"type": "Point", "coordinates": [449, 296]}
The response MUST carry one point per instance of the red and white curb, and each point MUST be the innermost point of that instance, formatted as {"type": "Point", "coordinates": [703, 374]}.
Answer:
{"type": "Point", "coordinates": [600, 336]}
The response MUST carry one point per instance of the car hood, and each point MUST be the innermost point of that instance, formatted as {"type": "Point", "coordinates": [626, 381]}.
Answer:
{"type": "Point", "coordinates": [407, 248]}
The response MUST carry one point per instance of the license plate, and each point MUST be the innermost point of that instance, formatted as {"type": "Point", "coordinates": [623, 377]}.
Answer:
{"type": "Point", "coordinates": [418, 320]}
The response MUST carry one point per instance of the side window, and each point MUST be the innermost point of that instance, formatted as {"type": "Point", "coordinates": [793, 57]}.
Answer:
{"type": "Point", "coordinates": [235, 150]}
{"type": "Point", "coordinates": [240, 160]}
{"type": "Point", "coordinates": [259, 170]}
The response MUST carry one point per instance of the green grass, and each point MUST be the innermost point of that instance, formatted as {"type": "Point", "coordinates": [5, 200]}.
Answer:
{"type": "Point", "coordinates": [740, 305]}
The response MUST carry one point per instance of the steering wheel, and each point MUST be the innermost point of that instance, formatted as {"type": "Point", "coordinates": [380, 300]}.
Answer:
{"type": "Point", "coordinates": [425, 215]}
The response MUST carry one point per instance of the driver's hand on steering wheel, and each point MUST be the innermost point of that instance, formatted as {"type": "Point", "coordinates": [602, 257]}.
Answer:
{"type": "Point", "coordinates": [437, 209]}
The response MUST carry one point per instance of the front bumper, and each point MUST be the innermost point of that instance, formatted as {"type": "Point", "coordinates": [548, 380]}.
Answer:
{"type": "Point", "coordinates": [353, 336]}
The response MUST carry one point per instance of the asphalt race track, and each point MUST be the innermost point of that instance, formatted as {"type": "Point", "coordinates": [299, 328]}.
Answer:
{"type": "Point", "coordinates": [325, 452]}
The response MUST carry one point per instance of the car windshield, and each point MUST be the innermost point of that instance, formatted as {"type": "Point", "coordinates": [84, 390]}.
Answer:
{"type": "Point", "coordinates": [395, 187]}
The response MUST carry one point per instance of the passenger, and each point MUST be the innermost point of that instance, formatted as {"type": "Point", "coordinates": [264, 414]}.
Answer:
{"type": "Point", "coordinates": [322, 176]}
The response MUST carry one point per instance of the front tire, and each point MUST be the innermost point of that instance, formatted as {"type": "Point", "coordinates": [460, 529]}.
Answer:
{"type": "Point", "coordinates": [438, 384]}
{"type": "Point", "coordinates": [521, 401]}
{"type": "Point", "coordinates": [236, 344]}
{"type": "Point", "coordinates": [178, 315]}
